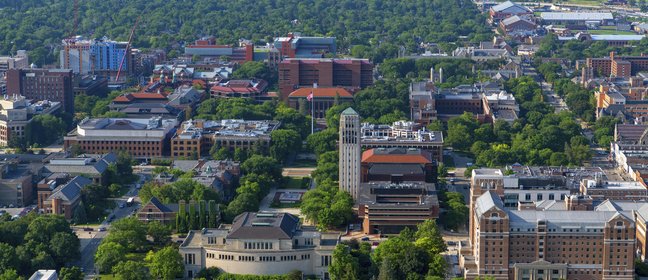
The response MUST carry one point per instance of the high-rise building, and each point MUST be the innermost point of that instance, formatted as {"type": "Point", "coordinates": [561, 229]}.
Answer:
{"type": "Point", "coordinates": [43, 84]}
{"type": "Point", "coordinates": [97, 56]}
{"type": "Point", "coordinates": [351, 74]}
{"type": "Point", "coordinates": [350, 153]}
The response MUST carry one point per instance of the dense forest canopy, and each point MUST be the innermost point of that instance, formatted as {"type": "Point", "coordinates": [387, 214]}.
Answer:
{"type": "Point", "coordinates": [39, 25]}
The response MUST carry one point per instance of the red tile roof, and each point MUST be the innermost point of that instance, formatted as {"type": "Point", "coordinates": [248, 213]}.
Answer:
{"type": "Point", "coordinates": [369, 156]}
{"type": "Point", "coordinates": [321, 92]}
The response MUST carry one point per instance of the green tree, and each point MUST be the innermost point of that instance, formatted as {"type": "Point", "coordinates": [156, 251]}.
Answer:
{"type": "Point", "coordinates": [10, 274]}
{"type": "Point", "coordinates": [322, 141]}
{"type": "Point", "coordinates": [130, 270]}
{"type": "Point", "coordinates": [343, 265]}
{"type": "Point", "coordinates": [262, 165]}
{"type": "Point", "coordinates": [108, 255]}
{"type": "Point", "coordinates": [7, 257]}
{"type": "Point", "coordinates": [44, 129]}
{"type": "Point", "coordinates": [71, 273]}
{"type": "Point", "coordinates": [213, 214]}
{"type": "Point", "coordinates": [284, 142]}
{"type": "Point", "coordinates": [165, 264]}
{"type": "Point", "coordinates": [160, 233]}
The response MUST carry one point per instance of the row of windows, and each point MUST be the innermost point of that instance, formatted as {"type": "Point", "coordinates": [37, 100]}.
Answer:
{"type": "Point", "coordinates": [257, 245]}
{"type": "Point", "coordinates": [254, 258]}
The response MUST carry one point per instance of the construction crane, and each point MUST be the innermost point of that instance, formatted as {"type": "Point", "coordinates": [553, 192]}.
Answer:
{"type": "Point", "coordinates": [76, 19]}
{"type": "Point", "coordinates": [126, 52]}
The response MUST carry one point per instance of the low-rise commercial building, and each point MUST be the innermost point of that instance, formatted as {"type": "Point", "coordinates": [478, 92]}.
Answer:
{"type": "Point", "coordinates": [155, 210]}
{"type": "Point", "coordinates": [18, 61]}
{"type": "Point", "coordinates": [260, 244]}
{"type": "Point", "coordinates": [196, 137]}
{"type": "Point", "coordinates": [142, 138]}
{"type": "Point", "coordinates": [16, 186]}
{"type": "Point", "coordinates": [402, 134]}
{"type": "Point", "coordinates": [253, 89]}
{"type": "Point", "coordinates": [599, 189]}
{"type": "Point", "coordinates": [507, 9]}
{"type": "Point", "coordinates": [93, 167]}
{"type": "Point", "coordinates": [398, 165]}
{"type": "Point", "coordinates": [17, 112]}
{"type": "Point", "coordinates": [388, 208]}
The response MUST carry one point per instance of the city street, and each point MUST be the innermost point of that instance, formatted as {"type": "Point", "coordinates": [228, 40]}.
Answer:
{"type": "Point", "coordinates": [89, 247]}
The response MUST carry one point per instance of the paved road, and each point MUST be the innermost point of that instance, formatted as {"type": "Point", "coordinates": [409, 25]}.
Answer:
{"type": "Point", "coordinates": [88, 252]}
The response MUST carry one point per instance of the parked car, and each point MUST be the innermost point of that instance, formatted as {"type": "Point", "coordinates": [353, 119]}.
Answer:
{"type": "Point", "coordinates": [102, 229]}
{"type": "Point", "coordinates": [366, 238]}
{"type": "Point", "coordinates": [88, 229]}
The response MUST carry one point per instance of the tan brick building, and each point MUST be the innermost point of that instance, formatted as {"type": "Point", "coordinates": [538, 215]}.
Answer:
{"type": "Point", "coordinates": [559, 244]}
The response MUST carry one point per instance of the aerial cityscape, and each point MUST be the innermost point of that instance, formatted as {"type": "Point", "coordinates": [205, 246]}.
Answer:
{"type": "Point", "coordinates": [342, 140]}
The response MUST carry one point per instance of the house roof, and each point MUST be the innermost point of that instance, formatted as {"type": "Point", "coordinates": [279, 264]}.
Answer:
{"type": "Point", "coordinates": [321, 92]}
{"type": "Point", "coordinates": [254, 225]}
{"type": "Point", "coordinates": [396, 155]}
{"type": "Point", "coordinates": [515, 19]}
{"type": "Point", "coordinates": [510, 7]}
{"type": "Point", "coordinates": [71, 190]}
{"type": "Point", "coordinates": [159, 205]}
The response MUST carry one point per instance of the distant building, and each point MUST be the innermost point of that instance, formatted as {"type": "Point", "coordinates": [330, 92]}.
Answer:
{"type": "Point", "coordinates": [16, 187]}
{"type": "Point", "coordinates": [388, 208]}
{"type": "Point", "coordinates": [19, 61]}
{"type": "Point", "coordinates": [260, 244]}
{"type": "Point", "coordinates": [43, 274]}
{"type": "Point", "coordinates": [142, 138]}
{"type": "Point", "coordinates": [43, 84]}
{"type": "Point", "coordinates": [96, 57]}
{"type": "Point", "coordinates": [17, 112]}
{"type": "Point", "coordinates": [65, 198]}
{"type": "Point", "coordinates": [398, 165]}
{"type": "Point", "coordinates": [402, 134]}
{"type": "Point", "coordinates": [614, 190]}
{"type": "Point", "coordinates": [350, 152]}
{"type": "Point", "coordinates": [517, 26]}
{"type": "Point", "coordinates": [322, 99]}
{"type": "Point", "coordinates": [90, 85]}
{"type": "Point", "coordinates": [612, 40]}
{"type": "Point", "coordinates": [196, 137]}
{"type": "Point", "coordinates": [618, 65]}
{"type": "Point", "coordinates": [207, 47]}
{"type": "Point", "coordinates": [352, 74]}
{"type": "Point", "coordinates": [93, 167]}
{"type": "Point", "coordinates": [253, 89]}
{"type": "Point", "coordinates": [576, 18]}
{"type": "Point", "coordinates": [505, 10]}
{"type": "Point", "coordinates": [297, 46]}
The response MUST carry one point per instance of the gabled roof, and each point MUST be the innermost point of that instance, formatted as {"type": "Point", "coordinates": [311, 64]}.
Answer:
{"type": "Point", "coordinates": [515, 19]}
{"type": "Point", "coordinates": [488, 201]}
{"type": "Point", "coordinates": [251, 225]}
{"type": "Point", "coordinates": [72, 190]}
{"type": "Point", "coordinates": [510, 7]}
{"type": "Point", "coordinates": [159, 205]}
{"type": "Point", "coordinates": [130, 97]}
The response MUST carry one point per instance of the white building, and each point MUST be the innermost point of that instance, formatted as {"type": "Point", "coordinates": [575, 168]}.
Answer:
{"type": "Point", "coordinates": [43, 274]}
{"type": "Point", "coordinates": [16, 112]}
{"type": "Point", "coordinates": [350, 152]}
{"type": "Point", "coordinates": [260, 244]}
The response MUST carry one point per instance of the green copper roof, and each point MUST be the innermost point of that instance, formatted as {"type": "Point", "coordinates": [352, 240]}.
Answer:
{"type": "Point", "coordinates": [349, 111]}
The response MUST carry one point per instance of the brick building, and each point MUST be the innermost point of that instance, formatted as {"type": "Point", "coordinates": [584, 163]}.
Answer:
{"type": "Point", "coordinates": [619, 66]}
{"type": "Point", "coordinates": [352, 74]}
{"type": "Point", "coordinates": [554, 244]}
{"type": "Point", "coordinates": [94, 167]}
{"type": "Point", "coordinates": [322, 99]}
{"type": "Point", "coordinates": [196, 137]}
{"type": "Point", "coordinates": [65, 198]}
{"type": "Point", "coordinates": [507, 9]}
{"type": "Point", "coordinates": [387, 207]}
{"type": "Point", "coordinates": [142, 138]}
{"type": "Point", "coordinates": [155, 210]}
{"type": "Point", "coordinates": [43, 84]}
{"type": "Point", "coordinates": [398, 165]}
{"type": "Point", "coordinates": [207, 47]}
{"type": "Point", "coordinates": [517, 26]}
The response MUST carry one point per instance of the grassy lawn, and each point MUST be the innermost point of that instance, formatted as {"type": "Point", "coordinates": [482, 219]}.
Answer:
{"type": "Point", "coordinates": [105, 277]}
{"type": "Point", "coordinates": [295, 183]}
{"type": "Point", "coordinates": [583, 2]}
